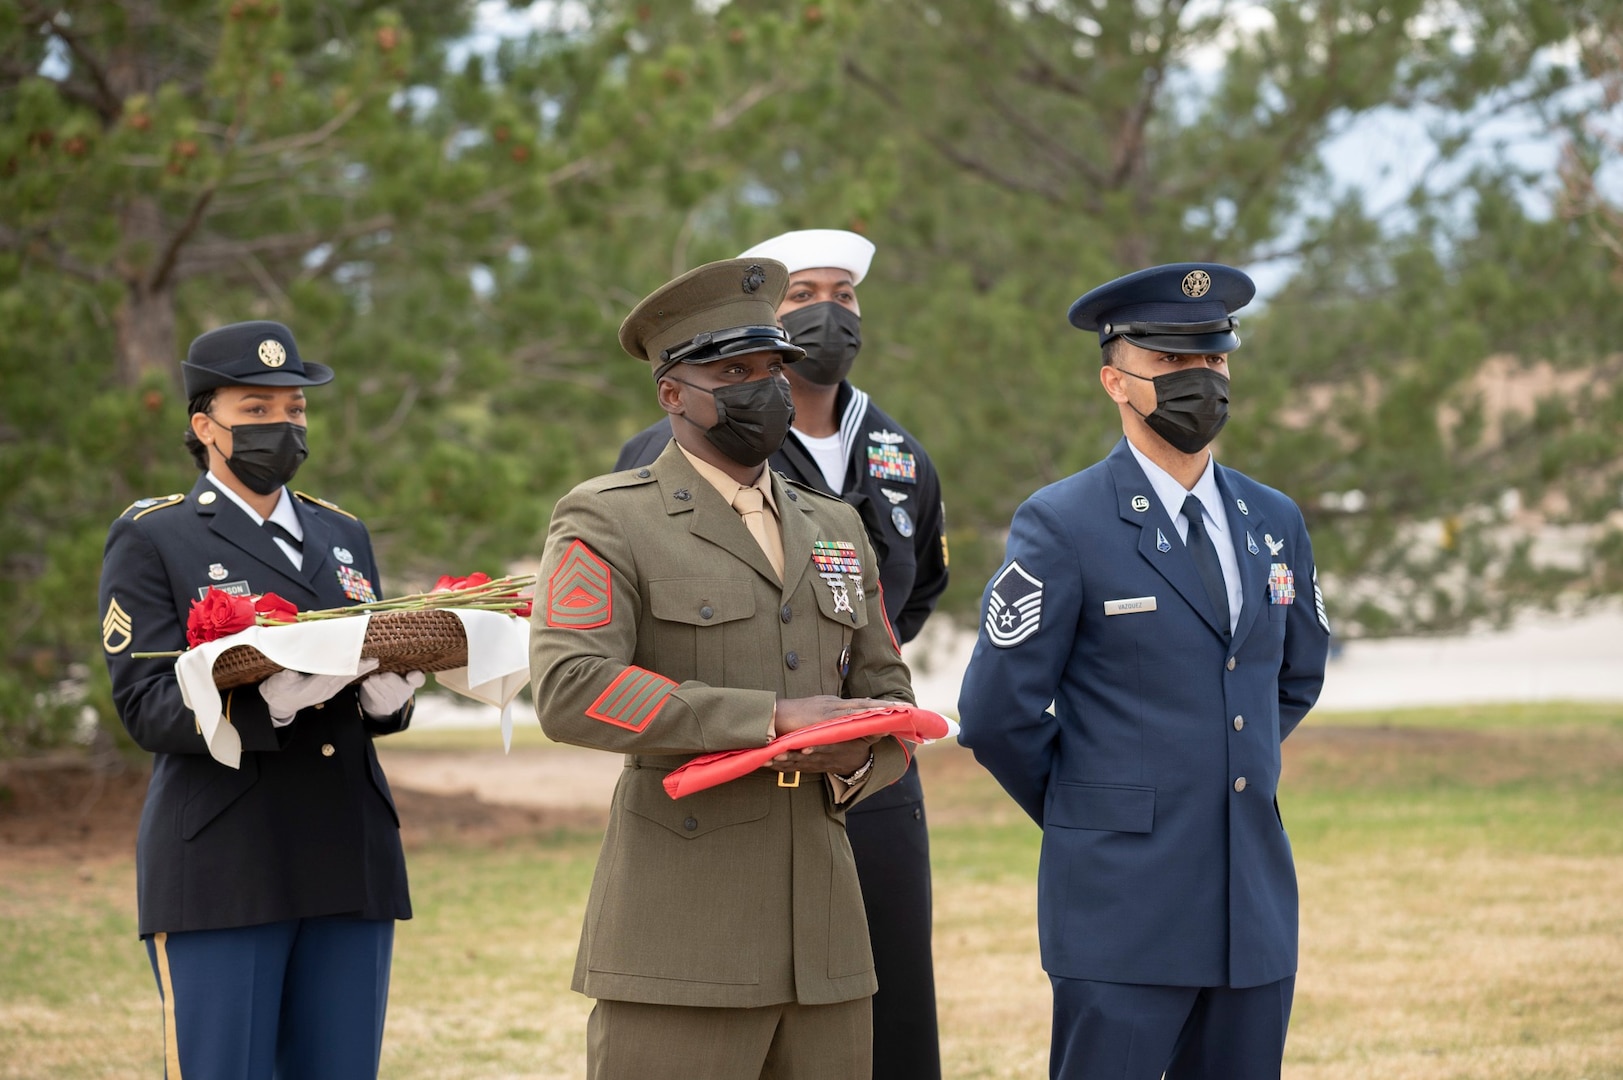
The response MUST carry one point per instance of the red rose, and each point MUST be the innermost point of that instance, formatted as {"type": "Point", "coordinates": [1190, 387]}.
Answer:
{"type": "Point", "coordinates": [522, 605]}
{"type": "Point", "coordinates": [218, 615]}
{"type": "Point", "coordinates": [447, 583]}
{"type": "Point", "coordinates": [275, 608]}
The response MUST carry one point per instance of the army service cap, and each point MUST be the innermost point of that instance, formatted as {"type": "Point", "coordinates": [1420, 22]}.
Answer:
{"type": "Point", "coordinates": [259, 353]}
{"type": "Point", "coordinates": [812, 249]}
{"type": "Point", "coordinates": [719, 309]}
{"type": "Point", "coordinates": [1176, 308]}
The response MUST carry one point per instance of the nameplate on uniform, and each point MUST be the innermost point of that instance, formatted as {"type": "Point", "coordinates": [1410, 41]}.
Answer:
{"type": "Point", "coordinates": [235, 588]}
{"type": "Point", "coordinates": [1130, 606]}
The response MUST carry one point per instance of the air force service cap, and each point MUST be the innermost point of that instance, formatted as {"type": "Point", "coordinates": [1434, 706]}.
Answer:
{"type": "Point", "coordinates": [1176, 308]}
{"type": "Point", "coordinates": [248, 354]}
{"type": "Point", "coordinates": [810, 249]}
{"type": "Point", "coordinates": [716, 310]}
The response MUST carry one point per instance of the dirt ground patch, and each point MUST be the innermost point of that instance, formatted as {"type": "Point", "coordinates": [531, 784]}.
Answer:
{"type": "Point", "coordinates": [75, 810]}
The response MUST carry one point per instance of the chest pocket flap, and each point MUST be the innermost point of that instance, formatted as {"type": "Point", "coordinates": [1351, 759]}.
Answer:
{"type": "Point", "coordinates": [701, 601]}
{"type": "Point", "coordinates": [841, 604]}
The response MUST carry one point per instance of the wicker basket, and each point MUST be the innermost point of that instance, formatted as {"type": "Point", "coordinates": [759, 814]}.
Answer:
{"type": "Point", "coordinates": [400, 640]}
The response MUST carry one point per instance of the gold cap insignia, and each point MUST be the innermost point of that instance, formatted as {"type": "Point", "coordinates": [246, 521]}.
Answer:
{"type": "Point", "coordinates": [116, 628]}
{"type": "Point", "coordinates": [1195, 283]}
{"type": "Point", "coordinates": [271, 353]}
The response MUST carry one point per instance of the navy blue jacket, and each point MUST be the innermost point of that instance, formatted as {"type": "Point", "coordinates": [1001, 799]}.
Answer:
{"type": "Point", "coordinates": [307, 825]}
{"type": "Point", "coordinates": [1164, 860]}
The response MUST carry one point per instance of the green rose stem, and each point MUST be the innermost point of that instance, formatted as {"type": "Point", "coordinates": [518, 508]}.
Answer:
{"type": "Point", "coordinates": [496, 595]}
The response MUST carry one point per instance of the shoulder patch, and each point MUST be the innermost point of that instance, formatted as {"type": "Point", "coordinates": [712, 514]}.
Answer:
{"type": "Point", "coordinates": [580, 593]}
{"type": "Point", "coordinates": [117, 628]}
{"type": "Point", "coordinates": [623, 479]}
{"type": "Point", "coordinates": [1014, 607]}
{"type": "Point", "coordinates": [323, 502]}
{"type": "Point", "coordinates": [142, 507]}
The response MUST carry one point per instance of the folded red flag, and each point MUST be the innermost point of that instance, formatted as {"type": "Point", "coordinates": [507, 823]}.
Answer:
{"type": "Point", "coordinates": [903, 721]}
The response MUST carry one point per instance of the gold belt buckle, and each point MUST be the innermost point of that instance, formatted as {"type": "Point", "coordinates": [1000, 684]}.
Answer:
{"type": "Point", "coordinates": [793, 783]}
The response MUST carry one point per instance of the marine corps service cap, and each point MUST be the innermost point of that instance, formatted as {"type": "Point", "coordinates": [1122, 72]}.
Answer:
{"type": "Point", "coordinates": [719, 309]}
{"type": "Point", "coordinates": [810, 249]}
{"type": "Point", "coordinates": [1176, 308]}
{"type": "Point", "coordinates": [248, 354]}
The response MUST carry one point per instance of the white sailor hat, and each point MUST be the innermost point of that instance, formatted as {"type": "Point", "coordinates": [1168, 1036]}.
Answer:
{"type": "Point", "coordinates": [809, 249]}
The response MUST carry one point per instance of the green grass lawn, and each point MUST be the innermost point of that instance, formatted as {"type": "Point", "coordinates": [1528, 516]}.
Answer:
{"type": "Point", "coordinates": [1462, 917]}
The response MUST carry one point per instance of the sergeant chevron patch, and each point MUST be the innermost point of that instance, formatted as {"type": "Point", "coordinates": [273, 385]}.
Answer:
{"type": "Point", "coordinates": [1014, 610]}
{"type": "Point", "coordinates": [1318, 602]}
{"type": "Point", "coordinates": [117, 628]}
{"type": "Point", "coordinates": [579, 596]}
{"type": "Point", "coordinates": [633, 699]}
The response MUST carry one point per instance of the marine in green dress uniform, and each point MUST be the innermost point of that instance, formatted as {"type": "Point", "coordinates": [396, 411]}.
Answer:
{"type": "Point", "coordinates": [703, 603]}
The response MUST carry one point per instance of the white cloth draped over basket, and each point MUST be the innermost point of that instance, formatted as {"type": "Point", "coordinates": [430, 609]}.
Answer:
{"type": "Point", "coordinates": [498, 666]}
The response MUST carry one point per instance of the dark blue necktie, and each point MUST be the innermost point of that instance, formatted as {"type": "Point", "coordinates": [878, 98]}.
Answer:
{"type": "Point", "coordinates": [276, 530]}
{"type": "Point", "coordinates": [1204, 551]}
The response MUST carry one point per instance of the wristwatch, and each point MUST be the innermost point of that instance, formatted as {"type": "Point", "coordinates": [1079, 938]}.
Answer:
{"type": "Point", "coordinates": [867, 767]}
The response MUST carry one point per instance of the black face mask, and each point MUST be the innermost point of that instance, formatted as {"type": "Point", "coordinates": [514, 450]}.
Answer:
{"type": "Point", "coordinates": [831, 334]}
{"type": "Point", "coordinates": [1191, 407]}
{"type": "Point", "coordinates": [752, 418]}
{"type": "Point", "coordinates": [265, 456]}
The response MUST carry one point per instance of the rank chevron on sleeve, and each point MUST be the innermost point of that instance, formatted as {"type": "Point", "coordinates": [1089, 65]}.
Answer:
{"type": "Point", "coordinates": [633, 699]}
{"type": "Point", "coordinates": [579, 596]}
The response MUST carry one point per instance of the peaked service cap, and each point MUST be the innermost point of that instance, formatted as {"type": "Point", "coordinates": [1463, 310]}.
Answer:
{"type": "Point", "coordinates": [1176, 308]}
{"type": "Point", "coordinates": [725, 308]}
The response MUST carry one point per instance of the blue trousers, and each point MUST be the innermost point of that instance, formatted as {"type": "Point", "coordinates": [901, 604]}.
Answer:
{"type": "Point", "coordinates": [1123, 1031]}
{"type": "Point", "coordinates": [297, 1000]}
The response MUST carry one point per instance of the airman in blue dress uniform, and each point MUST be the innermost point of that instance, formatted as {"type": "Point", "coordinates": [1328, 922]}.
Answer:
{"type": "Point", "coordinates": [267, 893]}
{"type": "Point", "coordinates": [1167, 608]}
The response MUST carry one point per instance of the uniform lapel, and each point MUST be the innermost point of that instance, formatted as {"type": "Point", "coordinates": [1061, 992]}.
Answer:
{"type": "Point", "coordinates": [799, 530]}
{"type": "Point", "coordinates": [319, 541]}
{"type": "Point", "coordinates": [1175, 563]}
{"type": "Point", "coordinates": [686, 492]}
{"type": "Point", "coordinates": [1246, 529]}
{"type": "Point", "coordinates": [235, 527]}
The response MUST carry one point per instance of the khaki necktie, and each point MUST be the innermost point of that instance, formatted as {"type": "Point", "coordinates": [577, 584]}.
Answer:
{"type": "Point", "coordinates": [751, 505]}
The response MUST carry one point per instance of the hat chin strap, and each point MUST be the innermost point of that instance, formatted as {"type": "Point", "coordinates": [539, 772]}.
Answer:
{"type": "Point", "coordinates": [1157, 329]}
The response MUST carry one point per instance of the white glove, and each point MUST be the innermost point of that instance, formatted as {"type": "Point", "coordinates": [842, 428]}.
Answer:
{"type": "Point", "coordinates": [287, 692]}
{"type": "Point", "coordinates": [383, 694]}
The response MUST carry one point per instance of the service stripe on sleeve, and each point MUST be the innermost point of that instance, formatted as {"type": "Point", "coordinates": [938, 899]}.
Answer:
{"type": "Point", "coordinates": [579, 593]}
{"type": "Point", "coordinates": [633, 699]}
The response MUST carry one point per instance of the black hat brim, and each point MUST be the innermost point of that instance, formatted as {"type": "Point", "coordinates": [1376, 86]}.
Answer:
{"type": "Point", "coordinates": [200, 379]}
{"type": "Point", "coordinates": [1224, 341]}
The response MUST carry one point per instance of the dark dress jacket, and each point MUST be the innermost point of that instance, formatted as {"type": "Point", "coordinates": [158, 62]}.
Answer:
{"type": "Point", "coordinates": [306, 826]}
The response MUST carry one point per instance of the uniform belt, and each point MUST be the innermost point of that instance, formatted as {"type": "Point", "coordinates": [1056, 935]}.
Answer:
{"type": "Point", "coordinates": [662, 763]}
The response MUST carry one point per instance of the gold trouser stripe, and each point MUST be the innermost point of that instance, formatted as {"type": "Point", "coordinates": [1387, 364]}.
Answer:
{"type": "Point", "coordinates": [171, 1046]}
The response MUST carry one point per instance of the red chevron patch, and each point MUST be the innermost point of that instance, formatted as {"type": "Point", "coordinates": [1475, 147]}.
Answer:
{"type": "Point", "coordinates": [579, 593]}
{"type": "Point", "coordinates": [633, 699]}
